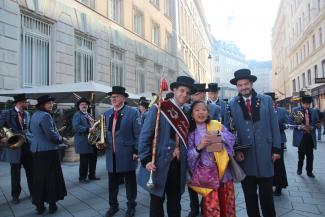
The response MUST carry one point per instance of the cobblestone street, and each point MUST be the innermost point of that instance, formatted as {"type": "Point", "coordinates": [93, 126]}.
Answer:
{"type": "Point", "coordinates": [303, 197]}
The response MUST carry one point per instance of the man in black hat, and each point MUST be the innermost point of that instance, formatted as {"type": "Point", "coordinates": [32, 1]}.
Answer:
{"type": "Point", "coordinates": [82, 123]}
{"type": "Point", "coordinates": [143, 109]}
{"type": "Point", "coordinates": [170, 167]}
{"type": "Point", "coordinates": [304, 136]}
{"type": "Point", "coordinates": [123, 128]}
{"type": "Point", "coordinates": [214, 99]}
{"type": "Point", "coordinates": [17, 119]}
{"type": "Point", "coordinates": [258, 138]}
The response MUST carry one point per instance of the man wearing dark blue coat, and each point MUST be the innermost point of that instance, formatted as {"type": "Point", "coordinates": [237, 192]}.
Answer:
{"type": "Point", "coordinates": [82, 123]}
{"type": "Point", "coordinates": [258, 138]}
{"type": "Point", "coordinates": [17, 119]}
{"type": "Point", "coordinates": [170, 166]}
{"type": "Point", "coordinates": [304, 135]}
{"type": "Point", "coordinates": [123, 128]}
{"type": "Point", "coordinates": [280, 175]}
{"type": "Point", "coordinates": [213, 98]}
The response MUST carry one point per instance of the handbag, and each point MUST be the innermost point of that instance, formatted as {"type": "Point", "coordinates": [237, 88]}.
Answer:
{"type": "Point", "coordinates": [237, 172]}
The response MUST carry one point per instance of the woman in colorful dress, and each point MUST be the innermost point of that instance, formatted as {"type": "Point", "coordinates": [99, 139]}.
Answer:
{"type": "Point", "coordinates": [217, 189]}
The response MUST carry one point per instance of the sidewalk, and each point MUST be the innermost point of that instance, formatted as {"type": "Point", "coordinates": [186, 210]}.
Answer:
{"type": "Point", "coordinates": [303, 197]}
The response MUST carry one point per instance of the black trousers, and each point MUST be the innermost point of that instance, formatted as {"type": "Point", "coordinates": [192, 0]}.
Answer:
{"type": "Point", "coordinates": [172, 191]}
{"type": "Point", "coordinates": [194, 201]}
{"type": "Point", "coordinates": [27, 163]}
{"type": "Point", "coordinates": [249, 185]}
{"type": "Point", "coordinates": [130, 187]}
{"type": "Point", "coordinates": [87, 165]}
{"type": "Point", "coordinates": [306, 148]}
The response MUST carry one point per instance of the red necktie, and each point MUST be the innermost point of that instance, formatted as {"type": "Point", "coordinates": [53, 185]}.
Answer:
{"type": "Point", "coordinates": [113, 128]}
{"type": "Point", "coordinates": [248, 106]}
{"type": "Point", "coordinates": [307, 118]}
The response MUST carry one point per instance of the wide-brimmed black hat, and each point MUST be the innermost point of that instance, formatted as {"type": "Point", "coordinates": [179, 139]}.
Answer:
{"type": "Point", "coordinates": [200, 87]}
{"type": "Point", "coordinates": [82, 100]}
{"type": "Point", "coordinates": [243, 74]}
{"type": "Point", "coordinates": [142, 98]}
{"type": "Point", "coordinates": [144, 103]}
{"type": "Point", "coordinates": [44, 99]}
{"type": "Point", "coordinates": [183, 81]}
{"type": "Point", "coordinates": [213, 87]}
{"type": "Point", "coordinates": [271, 94]}
{"type": "Point", "coordinates": [118, 90]}
{"type": "Point", "coordinates": [306, 98]}
{"type": "Point", "coordinates": [19, 97]}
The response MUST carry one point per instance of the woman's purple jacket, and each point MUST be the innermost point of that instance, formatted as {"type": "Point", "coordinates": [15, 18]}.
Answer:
{"type": "Point", "coordinates": [202, 166]}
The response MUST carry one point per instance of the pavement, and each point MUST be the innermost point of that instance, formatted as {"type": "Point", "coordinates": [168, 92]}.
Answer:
{"type": "Point", "coordinates": [303, 197]}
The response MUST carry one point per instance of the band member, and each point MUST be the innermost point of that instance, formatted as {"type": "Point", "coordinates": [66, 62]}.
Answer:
{"type": "Point", "coordinates": [214, 99]}
{"type": "Point", "coordinates": [169, 95]}
{"type": "Point", "coordinates": [280, 175]}
{"type": "Point", "coordinates": [170, 166]}
{"type": "Point", "coordinates": [82, 123]}
{"type": "Point", "coordinates": [143, 109]}
{"type": "Point", "coordinates": [259, 142]}
{"type": "Point", "coordinates": [48, 181]}
{"type": "Point", "coordinates": [215, 114]}
{"type": "Point", "coordinates": [304, 136]}
{"type": "Point", "coordinates": [121, 154]}
{"type": "Point", "coordinates": [200, 95]}
{"type": "Point", "coordinates": [204, 167]}
{"type": "Point", "coordinates": [17, 119]}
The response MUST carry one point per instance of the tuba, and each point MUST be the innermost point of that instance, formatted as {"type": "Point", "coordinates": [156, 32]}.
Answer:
{"type": "Point", "coordinates": [14, 141]}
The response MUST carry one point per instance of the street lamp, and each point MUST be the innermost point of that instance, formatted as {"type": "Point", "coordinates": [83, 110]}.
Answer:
{"type": "Point", "coordinates": [198, 57]}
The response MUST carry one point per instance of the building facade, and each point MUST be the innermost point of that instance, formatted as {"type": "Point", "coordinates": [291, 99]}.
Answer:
{"type": "Point", "coordinates": [227, 58]}
{"type": "Point", "coordinates": [298, 50]}
{"type": "Point", "coordinates": [115, 42]}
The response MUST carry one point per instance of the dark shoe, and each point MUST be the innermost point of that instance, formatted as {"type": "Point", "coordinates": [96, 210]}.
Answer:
{"type": "Point", "coordinates": [193, 214]}
{"type": "Point", "coordinates": [130, 212]}
{"type": "Point", "coordinates": [83, 181]}
{"type": "Point", "coordinates": [40, 209]}
{"type": "Point", "coordinates": [299, 172]}
{"type": "Point", "coordinates": [277, 192]}
{"type": "Point", "coordinates": [15, 200]}
{"type": "Point", "coordinates": [111, 212]}
{"type": "Point", "coordinates": [53, 208]}
{"type": "Point", "coordinates": [94, 178]}
{"type": "Point", "coordinates": [311, 175]}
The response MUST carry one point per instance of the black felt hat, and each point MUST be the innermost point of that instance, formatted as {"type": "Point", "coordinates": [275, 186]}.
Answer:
{"type": "Point", "coordinates": [118, 90]}
{"type": "Point", "coordinates": [169, 95]}
{"type": "Point", "coordinates": [200, 87]}
{"type": "Point", "coordinates": [82, 100]}
{"type": "Point", "coordinates": [213, 87]}
{"type": "Point", "coordinates": [20, 97]}
{"type": "Point", "coordinates": [183, 81]}
{"type": "Point", "coordinates": [242, 74]}
{"type": "Point", "coordinates": [306, 98]}
{"type": "Point", "coordinates": [44, 99]}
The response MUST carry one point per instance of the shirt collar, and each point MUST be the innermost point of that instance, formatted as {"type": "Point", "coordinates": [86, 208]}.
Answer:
{"type": "Point", "coordinates": [215, 102]}
{"type": "Point", "coordinates": [173, 101]}
{"type": "Point", "coordinates": [17, 110]}
{"type": "Point", "coordinates": [245, 98]}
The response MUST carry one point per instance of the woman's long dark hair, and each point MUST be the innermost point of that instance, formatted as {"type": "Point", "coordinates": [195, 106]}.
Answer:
{"type": "Point", "coordinates": [191, 119]}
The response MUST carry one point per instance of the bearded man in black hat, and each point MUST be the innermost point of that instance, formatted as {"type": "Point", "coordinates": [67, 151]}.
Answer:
{"type": "Point", "coordinates": [170, 168]}
{"type": "Point", "coordinates": [17, 119]}
{"type": "Point", "coordinates": [304, 135]}
{"type": "Point", "coordinates": [258, 138]}
{"type": "Point", "coordinates": [123, 128]}
{"type": "Point", "coordinates": [82, 123]}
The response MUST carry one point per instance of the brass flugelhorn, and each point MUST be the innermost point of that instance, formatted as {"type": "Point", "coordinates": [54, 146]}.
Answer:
{"type": "Point", "coordinates": [101, 144]}
{"type": "Point", "coordinates": [14, 141]}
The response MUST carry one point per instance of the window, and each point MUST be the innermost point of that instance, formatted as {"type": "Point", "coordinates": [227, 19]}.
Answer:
{"type": "Point", "coordinates": [158, 74]}
{"type": "Point", "coordinates": [155, 3]}
{"type": "Point", "coordinates": [116, 10]}
{"type": "Point", "coordinates": [316, 71]}
{"type": "Point", "coordinates": [298, 83]}
{"type": "Point", "coordinates": [309, 18]}
{"type": "Point", "coordinates": [314, 42]}
{"type": "Point", "coordinates": [138, 22]}
{"type": "Point", "coordinates": [168, 7]}
{"type": "Point", "coordinates": [168, 42]}
{"type": "Point", "coordinates": [294, 89]}
{"type": "Point", "coordinates": [318, 5]}
{"type": "Point", "coordinates": [309, 77]}
{"type": "Point", "coordinates": [89, 3]}
{"type": "Point", "coordinates": [117, 67]}
{"type": "Point", "coordinates": [320, 35]}
{"type": "Point", "coordinates": [35, 51]}
{"type": "Point", "coordinates": [155, 34]}
{"type": "Point", "coordinates": [323, 68]}
{"type": "Point", "coordinates": [307, 47]}
{"type": "Point", "coordinates": [303, 80]}
{"type": "Point", "coordinates": [140, 73]}
{"type": "Point", "coordinates": [83, 59]}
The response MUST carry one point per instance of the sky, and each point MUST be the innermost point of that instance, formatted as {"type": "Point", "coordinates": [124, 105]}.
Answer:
{"type": "Point", "coordinates": [248, 23]}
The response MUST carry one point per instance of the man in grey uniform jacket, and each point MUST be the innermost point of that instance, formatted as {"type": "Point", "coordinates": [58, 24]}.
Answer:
{"type": "Point", "coordinates": [258, 138]}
